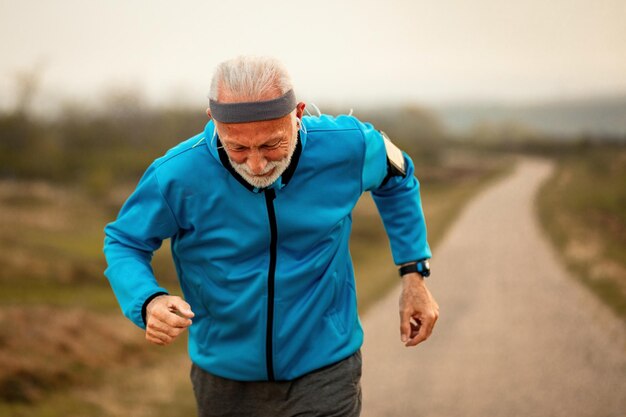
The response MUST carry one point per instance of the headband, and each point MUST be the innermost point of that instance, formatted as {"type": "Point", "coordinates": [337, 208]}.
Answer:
{"type": "Point", "coordinates": [253, 111]}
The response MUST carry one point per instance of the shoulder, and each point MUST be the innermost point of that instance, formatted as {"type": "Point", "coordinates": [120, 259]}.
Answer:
{"type": "Point", "coordinates": [183, 162]}
{"type": "Point", "coordinates": [340, 130]}
{"type": "Point", "coordinates": [183, 158]}
{"type": "Point", "coordinates": [327, 123]}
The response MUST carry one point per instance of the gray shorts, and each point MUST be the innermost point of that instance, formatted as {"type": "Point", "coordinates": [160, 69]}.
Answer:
{"type": "Point", "coordinates": [331, 391]}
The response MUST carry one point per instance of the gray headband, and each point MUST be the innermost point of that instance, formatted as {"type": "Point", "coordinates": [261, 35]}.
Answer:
{"type": "Point", "coordinates": [253, 111]}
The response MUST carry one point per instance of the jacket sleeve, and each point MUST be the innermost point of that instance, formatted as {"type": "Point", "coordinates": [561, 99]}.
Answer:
{"type": "Point", "coordinates": [144, 221]}
{"type": "Point", "coordinates": [397, 199]}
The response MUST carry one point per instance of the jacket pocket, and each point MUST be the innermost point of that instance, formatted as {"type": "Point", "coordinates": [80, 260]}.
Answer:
{"type": "Point", "coordinates": [336, 321]}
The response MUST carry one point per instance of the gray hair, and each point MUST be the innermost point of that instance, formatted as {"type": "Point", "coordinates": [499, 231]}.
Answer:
{"type": "Point", "coordinates": [250, 78]}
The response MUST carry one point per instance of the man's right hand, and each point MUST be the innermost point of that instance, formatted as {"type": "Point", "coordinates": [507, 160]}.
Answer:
{"type": "Point", "coordinates": [167, 316]}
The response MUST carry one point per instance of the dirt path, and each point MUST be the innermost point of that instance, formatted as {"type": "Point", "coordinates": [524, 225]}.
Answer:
{"type": "Point", "coordinates": [517, 336]}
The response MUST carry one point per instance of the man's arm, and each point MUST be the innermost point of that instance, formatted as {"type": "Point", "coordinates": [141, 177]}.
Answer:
{"type": "Point", "coordinates": [397, 198]}
{"type": "Point", "coordinates": [143, 223]}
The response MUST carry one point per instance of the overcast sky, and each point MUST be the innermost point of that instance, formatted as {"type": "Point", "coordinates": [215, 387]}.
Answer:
{"type": "Point", "coordinates": [339, 52]}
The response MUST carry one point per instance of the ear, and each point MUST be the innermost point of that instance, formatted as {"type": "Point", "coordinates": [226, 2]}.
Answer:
{"type": "Point", "coordinates": [208, 113]}
{"type": "Point", "coordinates": [300, 110]}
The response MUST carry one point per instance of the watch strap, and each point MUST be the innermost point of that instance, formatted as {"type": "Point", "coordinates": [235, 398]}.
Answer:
{"type": "Point", "coordinates": [421, 267]}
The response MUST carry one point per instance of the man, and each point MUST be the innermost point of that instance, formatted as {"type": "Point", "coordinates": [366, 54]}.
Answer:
{"type": "Point", "coordinates": [258, 208]}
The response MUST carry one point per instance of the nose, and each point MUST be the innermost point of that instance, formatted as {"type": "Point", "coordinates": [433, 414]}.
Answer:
{"type": "Point", "coordinates": [256, 162]}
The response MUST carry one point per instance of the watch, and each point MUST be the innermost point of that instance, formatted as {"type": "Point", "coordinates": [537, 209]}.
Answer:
{"type": "Point", "coordinates": [422, 267]}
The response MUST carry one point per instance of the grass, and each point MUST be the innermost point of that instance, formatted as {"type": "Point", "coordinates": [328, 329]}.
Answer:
{"type": "Point", "coordinates": [59, 311]}
{"type": "Point", "coordinates": [582, 207]}
{"type": "Point", "coordinates": [56, 405]}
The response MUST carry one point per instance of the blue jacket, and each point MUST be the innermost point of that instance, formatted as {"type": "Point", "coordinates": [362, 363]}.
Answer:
{"type": "Point", "coordinates": [267, 272]}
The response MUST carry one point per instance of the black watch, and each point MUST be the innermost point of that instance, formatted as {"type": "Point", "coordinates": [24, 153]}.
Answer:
{"type": "Point", "coordinates": [421, 267]}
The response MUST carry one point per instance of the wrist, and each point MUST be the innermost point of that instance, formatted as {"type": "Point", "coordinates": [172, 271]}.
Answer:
{"type": "Point", "coordinates": [153, 302]}
{"type": "Point", "coordinates": [412, 278]}
{"type": "Point", "coordinates": [148, 304]}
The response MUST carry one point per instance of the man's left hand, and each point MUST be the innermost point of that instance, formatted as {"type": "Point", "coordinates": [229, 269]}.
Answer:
{"type": "Point", "coordinates": [418, 310]}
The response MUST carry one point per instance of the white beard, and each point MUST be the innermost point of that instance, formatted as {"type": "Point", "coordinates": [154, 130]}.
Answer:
{"type": "Point", "coordinates": [279, 168]}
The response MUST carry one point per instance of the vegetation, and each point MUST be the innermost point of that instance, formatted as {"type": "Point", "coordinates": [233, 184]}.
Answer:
{"type": "Point", "coordinates": [92, 149]}
{"type": "Point", "coordinates": [583, 209]}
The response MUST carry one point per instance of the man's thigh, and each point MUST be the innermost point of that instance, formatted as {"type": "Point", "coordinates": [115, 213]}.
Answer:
{"type": "Point", "coordinates": [332, 391]}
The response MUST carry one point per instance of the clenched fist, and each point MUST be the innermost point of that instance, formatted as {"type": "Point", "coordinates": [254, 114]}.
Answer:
{"type": "Point", "coordinates": [418, 310]}
{"type": "Point", "coordinates": [167, 316]}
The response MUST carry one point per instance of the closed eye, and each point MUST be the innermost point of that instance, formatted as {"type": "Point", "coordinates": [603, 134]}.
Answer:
{"type": "Point", "coordinates": [273, 145]}
{"type": "Point", "coordinates": [235, 148]}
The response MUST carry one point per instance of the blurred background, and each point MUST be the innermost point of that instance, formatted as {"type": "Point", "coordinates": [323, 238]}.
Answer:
{"type": "Point", "coordinates": [91, 92]}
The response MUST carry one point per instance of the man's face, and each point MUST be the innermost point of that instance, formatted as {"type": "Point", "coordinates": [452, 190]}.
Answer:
{"type": "Point", "coordinates": [260, 151]}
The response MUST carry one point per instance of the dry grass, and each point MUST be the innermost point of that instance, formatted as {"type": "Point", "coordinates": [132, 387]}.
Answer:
{"type": "Point", "coordinates": [583, 209]}
{"type": "Point", "coordinates": [47, 233]}
{"type": "Point", "coordinates": [45, 349]}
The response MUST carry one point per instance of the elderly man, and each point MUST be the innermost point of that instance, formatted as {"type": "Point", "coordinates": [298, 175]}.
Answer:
{"type": "Point", "coordinates": [258, 208]}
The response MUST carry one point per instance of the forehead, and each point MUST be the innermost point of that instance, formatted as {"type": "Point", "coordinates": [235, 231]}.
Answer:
{"type": "Point", "coordinates": [254, 133]}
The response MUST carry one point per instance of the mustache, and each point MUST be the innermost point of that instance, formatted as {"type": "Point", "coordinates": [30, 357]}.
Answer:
{"type": "Point", "coordinates": [268, 167]}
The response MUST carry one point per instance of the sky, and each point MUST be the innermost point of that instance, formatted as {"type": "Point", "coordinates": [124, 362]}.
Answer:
{"type": "Point", "coordinates": [338, 52]}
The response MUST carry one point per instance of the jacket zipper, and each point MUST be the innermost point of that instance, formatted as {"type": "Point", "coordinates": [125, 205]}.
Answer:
{"type": "Point", "coordinates": [270, 195]}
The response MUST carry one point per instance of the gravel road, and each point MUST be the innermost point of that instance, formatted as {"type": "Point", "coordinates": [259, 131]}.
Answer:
{"type": "Point", "coordinates": [517, 336]}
